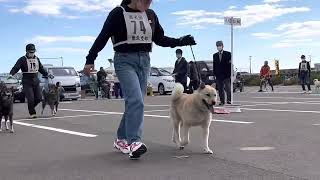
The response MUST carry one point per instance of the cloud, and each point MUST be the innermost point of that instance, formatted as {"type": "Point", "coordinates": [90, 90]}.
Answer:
{"type": "Point", "coordinates": [250, 15]}
{"type": "Point", "coordinates": [265, 35]}
{"type": "Point", "coordinates": [293, 34]}
{"type": "Point", "coordinates": [273, 1]}
{"type": "Point", "coordinates": [54, 39]}
{"type": "Point", "coordinates": [59, 8]}
{"type": "Point", "coordinates": [61, 50]}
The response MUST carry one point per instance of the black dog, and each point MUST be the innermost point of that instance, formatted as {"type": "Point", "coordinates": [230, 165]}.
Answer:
{"type": "Point", "coordinates": [6, 106]}
{"type": "Point", "coordinates": [51, 98]}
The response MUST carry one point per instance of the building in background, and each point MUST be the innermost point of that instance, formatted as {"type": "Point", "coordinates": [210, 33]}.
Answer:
{"type": "Point", "coordinates": [317, 67]}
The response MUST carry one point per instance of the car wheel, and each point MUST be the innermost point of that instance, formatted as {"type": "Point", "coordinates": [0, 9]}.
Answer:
{"type": "Point", "coordinates": [161, 89]}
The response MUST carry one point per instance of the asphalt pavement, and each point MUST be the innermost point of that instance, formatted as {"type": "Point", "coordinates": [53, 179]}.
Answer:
{"type": "Point", "coordinates": [276, 137]}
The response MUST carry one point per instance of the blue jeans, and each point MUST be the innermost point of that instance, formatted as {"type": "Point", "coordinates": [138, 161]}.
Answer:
{"type": "Point", "coordinates": [132, 70]}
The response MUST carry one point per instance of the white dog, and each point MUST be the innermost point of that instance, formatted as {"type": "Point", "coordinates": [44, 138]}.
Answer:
{"type": "Point", "coordinates": [188, 110]}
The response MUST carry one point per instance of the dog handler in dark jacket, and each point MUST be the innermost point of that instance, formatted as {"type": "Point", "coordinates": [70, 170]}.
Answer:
{"type": "Point", "coordinates": [222, 71]}
{"type": "Point", "coordinates": [180, 71]}
{"type": "Point", "coordinates": [30, 65]}
{"type": "Point", "coordinates": [132, 27]}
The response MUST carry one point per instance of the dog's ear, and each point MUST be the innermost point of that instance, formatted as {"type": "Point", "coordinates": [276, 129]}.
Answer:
{"type": "Point", "coordinates": [202, 85]}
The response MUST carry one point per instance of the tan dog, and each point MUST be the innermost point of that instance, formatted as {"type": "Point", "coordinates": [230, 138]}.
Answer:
{"type": "Point", "coordinates": [188, 110]}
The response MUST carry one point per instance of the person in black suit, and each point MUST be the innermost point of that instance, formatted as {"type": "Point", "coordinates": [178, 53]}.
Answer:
{"type": "Point", "coordinates": [181, 69]}
{"type": "Point", "coordinates": [222, 71]}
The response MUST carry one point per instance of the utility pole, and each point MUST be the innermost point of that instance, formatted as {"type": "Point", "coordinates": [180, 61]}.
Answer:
{"type": "Point", "coordinates": [310, 61]}
{"type": "Point", "coordinates": [250, 63]}
{"type": "Point", "coordinates": [232, 21]}
{"type": "Point", "coordinates": [61, 60]}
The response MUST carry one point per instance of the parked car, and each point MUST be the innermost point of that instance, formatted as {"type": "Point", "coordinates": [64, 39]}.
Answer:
{"type": "Point", "coordinates": [205, 68]}
{"type": "Point", "coordinates": [68, 77]}
{"type": "Point", "coordinates": [86, 80]}
{"type": "Point", "coordinates": [161, 80]}
{"type": "Point", "coordinates": [17, 88]}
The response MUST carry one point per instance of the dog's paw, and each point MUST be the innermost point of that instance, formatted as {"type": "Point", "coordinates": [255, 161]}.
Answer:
{"type": "Point", "coordinates": [184, 143]}
{"type": "Point", "coordinates": [208, 151]}
{"type": "Point", "coordinates": [11, 130]}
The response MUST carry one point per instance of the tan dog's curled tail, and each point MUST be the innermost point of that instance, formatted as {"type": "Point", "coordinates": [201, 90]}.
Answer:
{"type": "Point", "coordinates": [177, 91]}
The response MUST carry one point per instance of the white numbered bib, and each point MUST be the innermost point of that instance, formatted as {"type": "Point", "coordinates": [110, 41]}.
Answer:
{"type": "Point", "coordinates": [304, 66]}
{"type": "Point", "coordinates": [138, 28]}
{"type": "Point", "coordinates": [33, 65]}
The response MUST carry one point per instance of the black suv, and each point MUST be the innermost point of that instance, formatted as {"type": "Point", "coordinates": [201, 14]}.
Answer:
{"type": "Point", "coordinates": [205, 68]}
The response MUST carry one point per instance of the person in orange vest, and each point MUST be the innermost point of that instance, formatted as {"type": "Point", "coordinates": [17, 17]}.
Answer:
{"type": "Point", "coordinates": [265, 75]}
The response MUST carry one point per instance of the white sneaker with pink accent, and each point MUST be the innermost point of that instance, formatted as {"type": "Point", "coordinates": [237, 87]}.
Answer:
{"type": "Point", "coordinates": [122, 146]}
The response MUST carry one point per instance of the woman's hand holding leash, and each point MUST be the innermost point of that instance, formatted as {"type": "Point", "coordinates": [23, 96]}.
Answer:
{"type": "Point", "coordinates": [88, 68]}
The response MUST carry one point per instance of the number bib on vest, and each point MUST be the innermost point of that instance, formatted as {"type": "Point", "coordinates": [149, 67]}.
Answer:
{"type": "Point", "coordinates": [33, 65]}
{"type": "Point", "coordinates": [304, 66]}
{"type": "Point", "coordinates": [138, 28]}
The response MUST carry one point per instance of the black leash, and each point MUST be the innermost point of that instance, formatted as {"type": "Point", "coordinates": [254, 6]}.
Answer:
{"type": "Point", "coordinates": [195, 63]}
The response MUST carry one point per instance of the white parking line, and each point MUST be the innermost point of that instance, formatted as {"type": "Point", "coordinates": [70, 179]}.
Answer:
{"type": "Point", "coordinates": [163, 110]}
{"type": "Point", "coordinates": [89, 111]}
{"type": "Point", "coordinates": [56, 129]}
{"type": "Point", "coordinates": [156, 105]}
{"type": "Point", "coordinates": [282, 110]}
{"type": "Point", "coordinates": [313, 98]}
{"type": "Point", "coordinates": [157, 116]}
{"type": "Point", "coordinates": [257, 148]}
{"type": "Point", "coordinates": [61, 117]}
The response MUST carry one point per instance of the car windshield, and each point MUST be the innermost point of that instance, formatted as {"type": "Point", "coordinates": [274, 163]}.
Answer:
{"type": "Point", "coordinates": [8, 81]}
{"type": "Point", "coordinates": [164, 72]}
{"type": "Point", "coordinates": [210, 65]}
{"type": "Point", "coordinates": [62, 71]}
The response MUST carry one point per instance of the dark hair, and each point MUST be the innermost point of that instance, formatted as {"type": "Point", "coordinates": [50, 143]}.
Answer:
{"type": "Point", "coordinates": [303, 57]}
{"type": "Point", "coordinates": [179, 51]}
{"type": "Point", "coordinates": [125, 2]}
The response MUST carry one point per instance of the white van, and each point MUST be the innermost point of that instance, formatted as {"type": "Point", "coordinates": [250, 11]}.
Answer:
{"type": "Point", "coordinates": [68, 78]}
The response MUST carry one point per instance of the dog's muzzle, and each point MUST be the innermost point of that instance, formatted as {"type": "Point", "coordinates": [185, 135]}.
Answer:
{"type": "Point", "coordinates": [209, 106]}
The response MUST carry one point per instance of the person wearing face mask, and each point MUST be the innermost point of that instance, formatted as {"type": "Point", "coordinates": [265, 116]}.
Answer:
{"type": "Point", "coordinates": [132, 27]}
{"type": "Point", "coordinates": [181, 69]}
{"type": "Point", "coordinates": [304, 74]}
{"type": "Point", "coordinates": [30, 65]}
{"type": "Point", "coordinates": [222, 72]}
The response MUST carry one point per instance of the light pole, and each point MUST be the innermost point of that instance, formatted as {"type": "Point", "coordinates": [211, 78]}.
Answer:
{"type": "Point", "coordinates": [232, 21]}
{"type": "Point", "coordinates": [310, 61]}
{"type": "Point", "coordinates": [250, 63]}
{"type": "Point", "coordinates": [61, 60]}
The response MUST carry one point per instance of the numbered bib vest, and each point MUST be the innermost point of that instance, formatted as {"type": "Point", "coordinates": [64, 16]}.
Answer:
{"type": "Point", "coordinates": [304, 66]}
{"type": "Point", "coordinates": [138, 28]}
{"type": "Point", "coordinates": [33, 65]}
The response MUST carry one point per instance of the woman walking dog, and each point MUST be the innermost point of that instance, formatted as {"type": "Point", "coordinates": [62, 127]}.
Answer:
{"type": "Point", "coordinates": [133, 27]}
